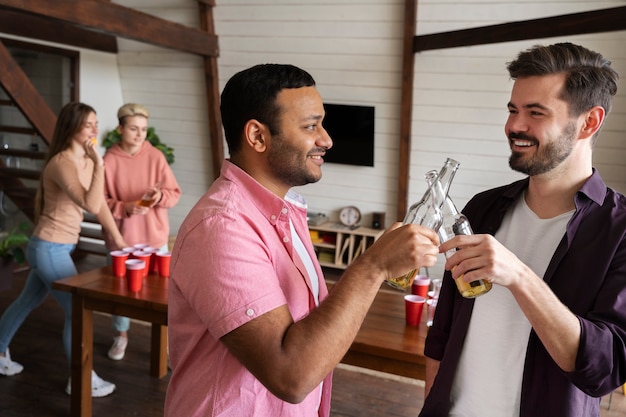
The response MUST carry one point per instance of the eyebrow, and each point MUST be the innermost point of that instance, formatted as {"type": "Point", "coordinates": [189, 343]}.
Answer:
{"type": "Point", "coordinates": [530, 106]}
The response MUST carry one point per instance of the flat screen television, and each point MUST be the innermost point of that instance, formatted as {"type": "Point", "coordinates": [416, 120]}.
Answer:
{"type": "Point", "coordinates": [352, 130]}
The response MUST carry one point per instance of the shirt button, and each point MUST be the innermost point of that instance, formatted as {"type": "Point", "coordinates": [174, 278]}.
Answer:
{"type": "Point", "coordinates": [284, 210]}
{"type": "Point", "coordinates": [249, 312]}
{"type": "Point", "coordinates": [273, 217]}
{"type": "Point", "coordinates": [285, 239]}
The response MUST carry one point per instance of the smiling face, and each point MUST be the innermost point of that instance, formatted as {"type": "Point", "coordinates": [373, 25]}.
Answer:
{"type": "Point", "coordinates": [134, 132]}
{"type": "Point", "coordinates": [295, 154]}
{"type": "Point", "coordinates": [540, 130]}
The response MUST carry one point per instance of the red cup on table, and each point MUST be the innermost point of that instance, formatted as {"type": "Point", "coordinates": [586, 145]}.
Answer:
{"type": "Point", "coordinates": [134, 274]}
{"type": "Point", "coordinates": [420, 286]}
{"type": "Point", "coordinates": [129, 250]}
{"type": "Point", "coordinates": [414, 306]}
{"type": "Point", "coordinates": [152, 268]}
{"type": "Point", "coordinates": [145, 257]}
{"type": "Point", "coordinates": [163, 263]}
{"type": "Point", "coordinates": [118, 259]}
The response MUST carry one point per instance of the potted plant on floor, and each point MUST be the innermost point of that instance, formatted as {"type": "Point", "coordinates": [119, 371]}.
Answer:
{"type": "Point", "coordinates": [12, 244]}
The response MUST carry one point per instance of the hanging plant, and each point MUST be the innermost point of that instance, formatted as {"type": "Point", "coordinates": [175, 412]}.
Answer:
{"type": "Point", "coordinates": [114, 136]}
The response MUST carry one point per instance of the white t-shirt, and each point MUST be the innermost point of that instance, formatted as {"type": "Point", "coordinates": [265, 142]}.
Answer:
{"type": "Point", "coordinates": [488, 379]}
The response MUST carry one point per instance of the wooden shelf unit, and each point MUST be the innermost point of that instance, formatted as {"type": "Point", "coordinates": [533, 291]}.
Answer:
{"type": "Point", "coordinates": [337, 245]}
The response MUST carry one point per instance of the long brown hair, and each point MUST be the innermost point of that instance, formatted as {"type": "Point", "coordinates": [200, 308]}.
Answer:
{"type": "Point", "coordinates": [71, 120]}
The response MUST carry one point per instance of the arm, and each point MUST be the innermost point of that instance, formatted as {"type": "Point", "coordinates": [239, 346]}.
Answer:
{"type": "Point", "coordinates": [66, 176]}
{"type": "Point", "coordinates": [292, 358]}
{"type": "Point", "coordinates": [557, 327]}
{"type": "Point", "coordinates": [108, 224]}
{"type": "Point", "coordinates": [432, 368]}
{"type": "Point", "coordinates": [168, 192]}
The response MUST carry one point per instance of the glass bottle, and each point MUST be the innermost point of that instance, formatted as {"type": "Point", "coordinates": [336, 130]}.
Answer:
{"type": "Point", "coordinates": [427, 211]}
{"type": "Point", "coordinates": [454, 224]}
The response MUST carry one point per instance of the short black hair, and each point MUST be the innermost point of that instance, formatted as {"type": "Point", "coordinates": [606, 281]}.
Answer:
{"type": "Point", "coordinates": [251, 94]}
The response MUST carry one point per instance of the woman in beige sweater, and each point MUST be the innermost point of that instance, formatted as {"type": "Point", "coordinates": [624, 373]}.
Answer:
{"type": "Point", "coordinates": [72, 181]}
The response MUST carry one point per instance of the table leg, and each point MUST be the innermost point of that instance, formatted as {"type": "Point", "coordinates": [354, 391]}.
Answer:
{"type": "Point", "coordinates": [82, 358]}
{"type": "Point", "coordinates": [158, 351]}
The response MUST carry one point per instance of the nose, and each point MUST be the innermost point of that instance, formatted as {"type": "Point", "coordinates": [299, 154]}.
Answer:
{"type": "Point", "coordinates": [515, 123]}
{"type": "Point", "coordinates": [325, 141]}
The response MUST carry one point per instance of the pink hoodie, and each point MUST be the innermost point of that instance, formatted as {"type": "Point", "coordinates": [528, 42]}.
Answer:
{"type": "Point", "coordinates": [127, 177]}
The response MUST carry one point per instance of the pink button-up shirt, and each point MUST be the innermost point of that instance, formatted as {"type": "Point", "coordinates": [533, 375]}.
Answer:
{"type": "Point", "coordinates": [233, 261]}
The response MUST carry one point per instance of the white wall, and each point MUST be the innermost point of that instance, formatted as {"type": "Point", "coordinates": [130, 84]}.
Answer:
{"type": "Point", "coordinates": [353, 49]}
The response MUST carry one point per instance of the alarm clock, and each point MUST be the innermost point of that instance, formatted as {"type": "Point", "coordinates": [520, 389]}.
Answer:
{"type": "Point", "coordinates": [350, 216]}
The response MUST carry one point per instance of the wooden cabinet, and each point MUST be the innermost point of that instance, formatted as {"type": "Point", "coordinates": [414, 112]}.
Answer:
{"type": "Point", "coordinates": [337, 245]}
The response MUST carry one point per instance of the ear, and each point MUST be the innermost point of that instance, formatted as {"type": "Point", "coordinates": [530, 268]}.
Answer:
{"type": "Point", "coordinates": [592, 122]}
{"type": "Point", "coordinates": [119, 129]}
{"type": "Point", "coordinates": [256, 135]}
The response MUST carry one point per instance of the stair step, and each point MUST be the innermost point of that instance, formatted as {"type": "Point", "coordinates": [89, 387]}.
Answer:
{"type": "Point", "coordinates": [20, 173]}
{"type": "Point", "coordinates": [22, 153]}
{"type": "Point", "coordinates": [89, 245]}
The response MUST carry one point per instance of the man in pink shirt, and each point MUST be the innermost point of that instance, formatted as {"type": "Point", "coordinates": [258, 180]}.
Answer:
{"type": "Point", "coordinates": [252, 328]}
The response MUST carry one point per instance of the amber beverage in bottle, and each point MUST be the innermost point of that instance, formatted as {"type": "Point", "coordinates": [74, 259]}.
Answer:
{"type": "Point", "coordinates": [148, 197]}
{"type": "Point", "coordinates": [427, 211]}
{"type": "Point", "coordinates": [454, 224]}
{"type": "Point", "coordinates": [145, 201]}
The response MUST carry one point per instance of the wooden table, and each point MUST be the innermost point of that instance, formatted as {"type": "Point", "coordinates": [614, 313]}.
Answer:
{"type": "Point", "coordinates": [384, 342]}
{"type": "Point", "coordinates": [99, 290]}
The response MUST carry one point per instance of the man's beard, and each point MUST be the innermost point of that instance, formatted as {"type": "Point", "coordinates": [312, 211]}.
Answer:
{"type": "Point", "coordinates": [286, 164]}
{"type": "Point", "coordinates": [548, 156]}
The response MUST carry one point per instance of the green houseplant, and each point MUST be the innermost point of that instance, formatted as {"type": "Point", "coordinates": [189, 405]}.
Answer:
{"type": "Point", "coordinates": [114, 136]}
{"type": "Point", "coordinates": [12, 244]}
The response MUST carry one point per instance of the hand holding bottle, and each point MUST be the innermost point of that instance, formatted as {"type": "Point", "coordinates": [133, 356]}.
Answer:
{"type": "Point", "coordinates": [482, 256]}
{"type": "Point", "coordinates": [151, 197]}
{"type": "Point", "coordinates": [400, 248]}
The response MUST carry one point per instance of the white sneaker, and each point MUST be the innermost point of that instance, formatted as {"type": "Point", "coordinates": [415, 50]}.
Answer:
{"type": "Point", "coordinates": [99, 387]}
{"type": "Point", "coordinates": [118, 350]}
{"type": "Point", "coordinates": [8, 367]}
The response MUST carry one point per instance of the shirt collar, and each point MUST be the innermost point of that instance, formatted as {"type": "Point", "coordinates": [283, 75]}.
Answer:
{"type": "Point", "coordinates": [269, 204]}
{"type": "Point", "coordinates": [594, 189]}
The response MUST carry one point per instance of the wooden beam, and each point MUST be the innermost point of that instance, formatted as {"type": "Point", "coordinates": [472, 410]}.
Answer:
{"type": "Point", "coordinates": [596, 21]}
{"type": "Point", "coordinates": [406, 107]}
{"type": "Point", "coordinates": [30, 26]}
{"type": "Point", "coordinates": [25, 96]}
{"type": "Point", "coordinates": [117, 20]}
{"type": "Point", "coordinates": [212, 91]}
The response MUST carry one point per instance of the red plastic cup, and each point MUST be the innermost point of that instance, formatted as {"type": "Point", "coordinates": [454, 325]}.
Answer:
{"type": "Point", "coordinates": [420, 286]}
{"type": "Point", "coordinates": [152, 268]}
{"type": "Point", "coordinates": [140, 246]}
{"type": "Point", "coordinates": [118, 259]}
{"type": "Point", "coordinates": [163, 263]}
{"type": "Point", "coordinates": [145, 257]}
{"type": "Point", "coordinates": [129, 250]}
{"type": "Point", "coordinates": [134, 274]}
{"type": "Point", "coordinates": [414, 306]}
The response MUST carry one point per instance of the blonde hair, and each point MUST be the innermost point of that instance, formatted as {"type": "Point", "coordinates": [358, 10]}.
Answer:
{"type": "Point", "coordinates": [131, 109]}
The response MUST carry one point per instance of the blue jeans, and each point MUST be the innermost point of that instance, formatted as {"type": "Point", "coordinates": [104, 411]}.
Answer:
{"type": "Point", "coordinates": [121, 323]}
{"type": "Point", "coordinates": [49, 262]}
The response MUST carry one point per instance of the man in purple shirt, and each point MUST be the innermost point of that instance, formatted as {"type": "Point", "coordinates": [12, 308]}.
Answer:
{"type": "Point", "coordinates": [549, 339]}
{"type": "Point", "coordinates": [252, 328]}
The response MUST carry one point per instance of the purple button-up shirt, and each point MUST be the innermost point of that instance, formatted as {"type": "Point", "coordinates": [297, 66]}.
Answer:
{"type": "Point", "coordinates": [587, 273]}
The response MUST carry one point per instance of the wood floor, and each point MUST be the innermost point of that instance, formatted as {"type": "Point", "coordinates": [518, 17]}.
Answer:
{"type": "Point", "coordinates": [39, 389]}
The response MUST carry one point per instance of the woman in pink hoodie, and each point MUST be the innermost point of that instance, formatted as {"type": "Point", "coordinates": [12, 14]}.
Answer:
{"type": "Point", "coordinates": [135, 169]}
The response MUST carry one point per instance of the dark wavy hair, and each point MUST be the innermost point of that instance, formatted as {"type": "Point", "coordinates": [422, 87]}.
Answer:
{"type": "Point", "coordinates": [590, 79]}
{"type": "Point", "coordinates": [251, 94]}
{"type": "Point", "coordinates": [71, 120]}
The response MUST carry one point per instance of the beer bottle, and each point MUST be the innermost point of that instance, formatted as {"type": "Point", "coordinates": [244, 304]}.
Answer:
{"type": "Point", "coordinates": [427, 211]}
